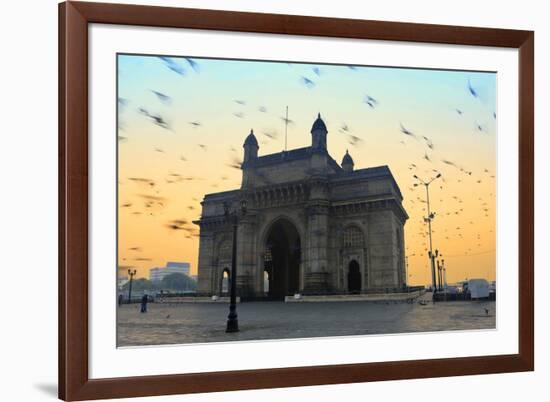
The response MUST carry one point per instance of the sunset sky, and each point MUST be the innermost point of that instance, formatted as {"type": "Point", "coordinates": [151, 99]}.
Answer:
{"type": "Point", "coordinates": [182, 123]}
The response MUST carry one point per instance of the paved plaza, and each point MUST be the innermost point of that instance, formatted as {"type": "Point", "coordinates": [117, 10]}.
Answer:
{"type": "Point", "coordinates": [205, 322]}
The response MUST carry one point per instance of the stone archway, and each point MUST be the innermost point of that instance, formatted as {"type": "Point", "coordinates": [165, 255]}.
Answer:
{"type": "Point", "coordinates": [225, 282]}
{"type": "Point", "coordinates": [354, 277]}
{"type": "Point", "coordinates": [282, 259]}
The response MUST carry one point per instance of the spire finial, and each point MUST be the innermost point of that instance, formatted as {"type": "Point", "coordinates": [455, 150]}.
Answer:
{"type": "Point", "coordinates": [251, 131]}
{"type": "Point", "coordinates": [319, 115]}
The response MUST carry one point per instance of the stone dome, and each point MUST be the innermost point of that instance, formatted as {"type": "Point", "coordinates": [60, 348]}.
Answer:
{"type": "Point", "coordinates": [319, 124]}
{"type": "Point", "coordinates": [251, 139]}
{"type": "Point", "coordinates": [347, 159]}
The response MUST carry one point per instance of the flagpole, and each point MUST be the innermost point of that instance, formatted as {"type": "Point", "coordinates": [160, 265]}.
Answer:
{"type": "Point", "coordinates": [286, 128]}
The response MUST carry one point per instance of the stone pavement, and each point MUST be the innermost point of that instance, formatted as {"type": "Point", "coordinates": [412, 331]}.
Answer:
{"type": "Point", "coordinates": [199, 323]}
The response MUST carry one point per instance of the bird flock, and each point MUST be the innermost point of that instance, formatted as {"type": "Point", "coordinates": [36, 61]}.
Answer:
{"type": "Point", "coordinates": [144, 196]}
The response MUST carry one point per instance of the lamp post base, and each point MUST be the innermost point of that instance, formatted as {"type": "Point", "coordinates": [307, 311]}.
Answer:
{"type": "Point", "coordinates": [232, 325]}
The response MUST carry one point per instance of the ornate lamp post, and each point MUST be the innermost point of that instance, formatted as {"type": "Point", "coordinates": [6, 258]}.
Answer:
{"type": "Point", "coordinates": [233, 217]}
{"type": "Point", "coordinates": [429, 219]}
{"type": "Point", "coordinates": [441, 264]}
{"type": "Point", "coordinates": [444, 274]}
{"type": "Point", "coordinates": [131, 273]}
{"type": "Point", "coordinates": [407, 276]}
{"type": "Point", "coordinates": [439, 275]}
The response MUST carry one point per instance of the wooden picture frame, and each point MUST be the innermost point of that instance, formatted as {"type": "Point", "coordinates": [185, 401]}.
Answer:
{"type": "Point", "coordinates": [74, 381]}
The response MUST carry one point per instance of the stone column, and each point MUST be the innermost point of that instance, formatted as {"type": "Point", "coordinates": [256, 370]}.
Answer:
{"type": "Point", "coordinates": [400, 254]}
{"type": "Point", "coordinates": [246, 258]}
{"type": "Point", "coordinates": [316, 277]}
{"type": "Point", "coordinates": [206, 268]}
{"type": "Point", "coordinates": [381, 239]}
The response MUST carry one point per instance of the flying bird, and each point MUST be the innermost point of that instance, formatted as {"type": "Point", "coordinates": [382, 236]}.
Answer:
{"type": "Point", "coordinates": [406, 131]}
{"type": "Point", "coordinates": [344, 128]}
{"type": "Point", "coordinates": [448, 162]}
{"type": "Point", "coordinates": [270, 134]}
{"type": "Point", "coordinates": [235, 163]}
{"type": "Point", "coordinates": [369, 100]}
{"type": "Point", "coordinates": [193, 64]}
{"type": "Point", "coordinates": [262, 109]}
{"type": "Point", "coordinates": [317, 71]}
{"type": "Point", "coordinates": [240, 115]}
{"type": "Point", "coordinates": [240, 102]}
{"type": "Point", "coordinates": [473, 92]}
{"type": "Point", "coordinates": [122, 103]}
{"type": "Point", "coordinates": [429, 142]}
{"type": "Point", "coordinates": [354, 140]}
{"type": "Point", "coordinates": [157, 119]}
{"type": "Point", "coordinates": [307, 82]}
{"type": "Point", "coordinates": [162, 97]}
{"type": "Point", "coordinates": [287, 121]}
{"type": "Point", "coordinates": [195, 124]}
{"type": "Point", "coordinates": [172, 65]}
{"type": "Point", "coordinates": [142, 180]}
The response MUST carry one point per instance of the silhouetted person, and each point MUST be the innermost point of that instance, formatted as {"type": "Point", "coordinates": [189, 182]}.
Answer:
{"type": "Point", "coordinates": [120, 299]}
{"type": "Point", "coordinates": [144, 304]}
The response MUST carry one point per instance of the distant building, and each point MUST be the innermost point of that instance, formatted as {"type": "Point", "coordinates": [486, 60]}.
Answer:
{"type": "Point", "coordinates": [122, 280]}
{"type": "Point", "coordinates": [158, 274]}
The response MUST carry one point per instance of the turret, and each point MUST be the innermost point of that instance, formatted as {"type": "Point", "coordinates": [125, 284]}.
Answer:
{"type": "Point", "coordinates": [250, 147]}
{"type": "Point", "coordinates": [347, 162]}
{"type": "Point", "coordinates": [319, 134]}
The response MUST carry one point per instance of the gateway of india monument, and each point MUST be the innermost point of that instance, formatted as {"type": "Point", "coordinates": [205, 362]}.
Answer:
{"type": "Point", "coordinates": [312, 226]}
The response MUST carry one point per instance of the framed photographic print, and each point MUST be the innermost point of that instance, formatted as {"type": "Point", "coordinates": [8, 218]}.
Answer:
{"type": "Point", "coordinates": [260, 200]}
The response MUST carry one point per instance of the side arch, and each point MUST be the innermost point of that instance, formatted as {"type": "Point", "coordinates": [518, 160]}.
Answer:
{"type": "Point", "coordinates": [354, 257]}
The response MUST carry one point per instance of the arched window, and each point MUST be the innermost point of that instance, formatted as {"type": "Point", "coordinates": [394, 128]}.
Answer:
{"type": "Point", "coordinates": [266, 282]}
{"type": "Point", "coordinates": [353, 237]}
{"type": "Point", "coordinates": [225, 281]}
{"type": "Point", "coordinates": [268, 257]}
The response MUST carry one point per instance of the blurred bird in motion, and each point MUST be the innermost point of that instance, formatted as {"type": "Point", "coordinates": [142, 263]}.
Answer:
{"type": "Point", "coordinates": [369, 100]}
{"type": "Point", "coordinates": [406, 131]}
{"type": "Point", "coordinates": [162, 97]}
{"type": "Point", "coordinates": [193, 64]}
{"type": "Point", "coordinates": [155, 118]}
{"type": "Point", "coordinates": [172, 65]}
{"type": "Point", "coordinates": [307, 82]}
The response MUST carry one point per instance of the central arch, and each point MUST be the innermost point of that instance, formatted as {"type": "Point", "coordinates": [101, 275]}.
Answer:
{"type": "Point", "coordinates": [282, 254]}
